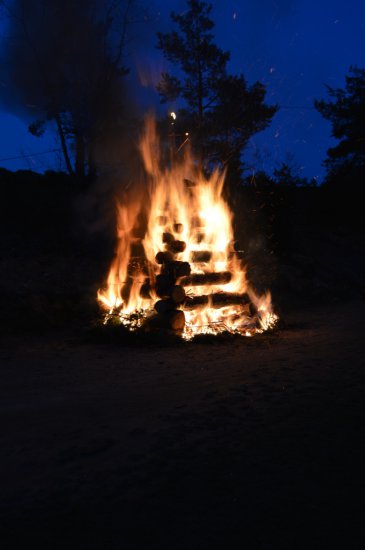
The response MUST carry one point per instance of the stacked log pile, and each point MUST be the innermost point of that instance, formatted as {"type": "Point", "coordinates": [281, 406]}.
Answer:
{"type": "Point", "coordinates": [176, 275]}
{"type": "Point", "coordinates": [171, 294]}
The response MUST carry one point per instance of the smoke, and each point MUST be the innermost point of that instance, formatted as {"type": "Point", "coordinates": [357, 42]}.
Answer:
{"type": "Point", "coordinates": [65, 59]}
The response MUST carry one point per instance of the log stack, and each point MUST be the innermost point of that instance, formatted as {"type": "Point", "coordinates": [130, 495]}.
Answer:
{"type": "Point", "coordinates": [171, 294]}
{"type": "Point", "coordinates": [176, 275]}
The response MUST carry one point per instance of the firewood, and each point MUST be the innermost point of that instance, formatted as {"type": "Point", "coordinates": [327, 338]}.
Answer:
{"type": "Point", "coordinates": [200, 256]}
{"type": "Point", "coordinates": [145, 290]}
{"type": "Point", "coordinates": [201, 279]}
{"type": "Point", "coordinates": [196, 302]}
{"type": "Point", "coordinates": [171, 320]}
{"type": "Point", "coordinates": [176, 320]}
{"type": "Point", "coordinates": [166, 289]}
{"type": "Point", "coordinates": [177, 294]}
{"type": "Point", "coordinates": [176, 246]}
{"type": "Point", "coordinates": [167, 237]}
{"type": "Point", "coordinates": [176, 269]}
{"type": "Point", "coordinates": [216, 300]}
{"type": "Point", "coordinates": [178, 227]}
{"type": "Point", "coordinates": [230, 298]}
{"type": "Point", "coordinates": [164, 257]}
{"type": "Point", "coordinates": [164, 306]}
{"type": "Point", "coordinates": [164, 283]}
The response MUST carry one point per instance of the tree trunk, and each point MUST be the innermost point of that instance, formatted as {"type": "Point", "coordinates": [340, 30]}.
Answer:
{"type": "Point", "coordinates": [63, 144]}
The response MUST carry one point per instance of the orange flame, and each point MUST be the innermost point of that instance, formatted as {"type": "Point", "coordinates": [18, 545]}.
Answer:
{"type": "Point", "coordinates": [190, 209]}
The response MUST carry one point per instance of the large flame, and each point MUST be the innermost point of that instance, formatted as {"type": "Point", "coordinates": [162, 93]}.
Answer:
{"type": "Point", "coordinates": [189, 208]}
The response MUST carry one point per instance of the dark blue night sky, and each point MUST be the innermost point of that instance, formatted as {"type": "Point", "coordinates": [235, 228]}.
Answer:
{"type": "Point", "coordinates": [293, 47]}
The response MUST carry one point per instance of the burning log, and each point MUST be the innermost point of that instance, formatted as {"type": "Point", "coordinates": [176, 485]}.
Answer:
{"type": "Point", "coordinates": [172, 319]}
{"type": "Point", "coordinates": [145, 290]}
{"type": "Point", "coordinates": [221, 299]}
{"type": "Point", "coordinates": [176, 246]}
{"type": "Point", "coordinates": [176, 320]}
{"type": "Point", "coordinates": [176, 269]}
{"type": "Point", "coordinates": [196, 302]}
{"type": "Point", "coordinates": [167, 237]}
{"type": "Point", "coordinates": [198, 256]}
{"type": "Point", "coordinates": [178, 227]}
{"type": "Point", "coordinates": [165, 288]}
{"type": "Point", "coordinates": [164, 283]}
{"type": "Point", "coordinates": [164, 306]}
{"type": "Point", "coordinates": [201, 279]}
{"type": "Point", "coordinates": [216, 300]}
{"type": "Point", "coordinates": [164, 257]}
{"type": "Point", "coordinates": [177, 294]}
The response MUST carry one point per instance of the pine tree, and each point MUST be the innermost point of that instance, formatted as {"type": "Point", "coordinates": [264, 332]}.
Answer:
{"type": "Point", "coordinates": [220, 111]}
{"type": "Point", "coordinates": [346, 111]}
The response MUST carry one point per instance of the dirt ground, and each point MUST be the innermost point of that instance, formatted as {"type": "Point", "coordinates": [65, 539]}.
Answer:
{"type": "Point", "coordinates": [250, 443]}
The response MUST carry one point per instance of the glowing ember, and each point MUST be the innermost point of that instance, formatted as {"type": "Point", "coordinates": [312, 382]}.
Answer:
{"type": "Point", "coordinates": [190, 279]}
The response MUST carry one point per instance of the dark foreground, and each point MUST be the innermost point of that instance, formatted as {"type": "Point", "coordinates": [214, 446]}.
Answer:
{"type": "Point", "coordinates": [255, 443]}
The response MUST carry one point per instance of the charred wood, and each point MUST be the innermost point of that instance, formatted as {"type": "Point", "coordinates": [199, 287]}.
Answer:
{"type": "Point", "coordinates": [167, 290]}
{"type": "Point", "coordinates": [171, 320]}
{"type": "Point", "coordinates": [198, 256]}
{"type": "Point", "coordinates": [167, 237]}
{"type": "Point", "coordinates": [164, 283]}
{"type": "Point", "coordinates": [145, 290]}
{"type": "Point", "coordinates": [164, 257]}
{"type": "Point", "coordinates": [178, 228]}
{"type": "Point", "coordinates": [216, 300]}
{"type": "Point", "coordinates": [176, 269]}
{"type": "Point", "coordinates": [176, 320]}
{"type": "Point", "coordinates": [177, 294]}
{"type": "Point", "coordinates": [164, 306]}
{"type": "Point", "coordinates": [201, 279]}
{"type": "Point", "coordinates": [176, 246]}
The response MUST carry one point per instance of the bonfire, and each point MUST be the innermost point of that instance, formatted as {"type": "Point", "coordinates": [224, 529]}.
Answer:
{"type": "Point", "coordinates": [187, 277]}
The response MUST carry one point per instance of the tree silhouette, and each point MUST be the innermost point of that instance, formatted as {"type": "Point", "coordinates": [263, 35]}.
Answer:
{"type": "Point", "coordinates": [220, 111]}
{"type": "Point", "coordinates": [346, 111]}
{"type": "Point", "coordinates": [66, 64]}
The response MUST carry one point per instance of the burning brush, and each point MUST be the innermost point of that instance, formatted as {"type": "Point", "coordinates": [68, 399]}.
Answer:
{"type": "Point", "coordinates": [188, 278]}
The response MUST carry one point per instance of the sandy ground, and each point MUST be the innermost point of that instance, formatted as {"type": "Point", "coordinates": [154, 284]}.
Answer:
{"type": "Point", "coordinates": [254, 443]}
